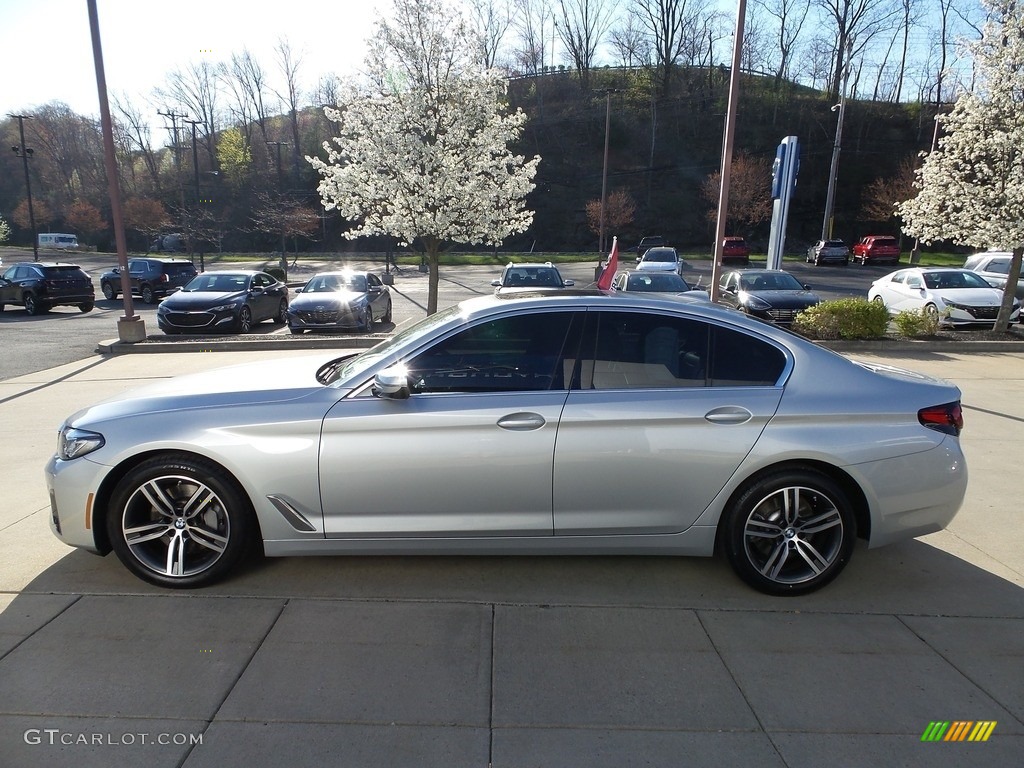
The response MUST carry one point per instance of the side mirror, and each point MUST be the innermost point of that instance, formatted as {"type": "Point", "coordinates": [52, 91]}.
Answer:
{"type": "Point", "coordinates": [496, 283]}
{"type": "Point", "coordinates": [568, 283]}
{"type": "Point", "coordinates": [807, 287]}
{"type": "Point", "coordinates": [392, 383]}
{"type": "Point", "coordinates": [116, 270]}
{"type": "Point", "coordinates": [299, 289]}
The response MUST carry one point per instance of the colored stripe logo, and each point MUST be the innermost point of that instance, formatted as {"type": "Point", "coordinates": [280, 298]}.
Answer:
{"type": "Point", "coordinates": [958, 730]}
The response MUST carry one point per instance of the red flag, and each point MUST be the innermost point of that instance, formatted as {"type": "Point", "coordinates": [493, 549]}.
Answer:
{"type": "Point", "coordinates": [604, 282]}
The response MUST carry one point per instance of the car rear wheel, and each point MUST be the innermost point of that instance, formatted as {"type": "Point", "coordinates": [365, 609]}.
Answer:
{"type": "Point", "coordinates": [86, 307]}
{"type": "Point", "coordinates": [108, 292]}
{"type": "Point", "coordinates": [244, 320]}
{"type": "Point", "coordinates": [179, 522]}
{"type": "Point", "coordinates": [789, 533]}
{"type": "Point", "coordinates": [32, 305]}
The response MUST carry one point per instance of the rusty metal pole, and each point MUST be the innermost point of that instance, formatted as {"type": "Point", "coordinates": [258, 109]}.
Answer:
{"type": "Point", "coordinates": [131, 327]}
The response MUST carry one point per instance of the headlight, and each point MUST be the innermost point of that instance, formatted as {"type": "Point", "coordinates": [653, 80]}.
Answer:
{"type": "Point", "coordinates": [755, 303]}
{"type": "Point", "coordinates": [225, 307]}
{"type": "Point", "coordinates": [72, 443]}
{"type": "Point", "coordinates": [954, 305]}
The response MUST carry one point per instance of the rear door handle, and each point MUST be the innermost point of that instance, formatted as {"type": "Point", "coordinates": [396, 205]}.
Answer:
{"type": "Point", "coordinates": [729, 414]}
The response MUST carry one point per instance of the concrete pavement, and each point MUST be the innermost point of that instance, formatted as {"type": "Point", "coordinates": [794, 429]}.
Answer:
{"type": "Point", "coordinates": [588, 661]}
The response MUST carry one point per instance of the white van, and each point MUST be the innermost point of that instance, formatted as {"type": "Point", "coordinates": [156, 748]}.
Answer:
{"type": "Point", "coordinates": [58, 240]}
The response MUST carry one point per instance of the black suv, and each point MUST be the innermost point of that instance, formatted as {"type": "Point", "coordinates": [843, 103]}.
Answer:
{"type": "Point", "coordinates": [37, 286]}
{"type": "Point", "coordinates": [152, 278]}
{"type": "Point", "coordinates": [650, 241]}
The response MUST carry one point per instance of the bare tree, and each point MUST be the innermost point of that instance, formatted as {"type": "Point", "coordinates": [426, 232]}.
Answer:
{"type": "Point", "coordinates": [854, 23]}
{"type": "Point", "coordinates": [196, 89]}
{"type": "Point", "coordinates": [136, 130]}
{"type": "Point", "coordinates": [490, 19]}
{"type": "Point", "coordinates": [288, 62]}
{"type": "Point", "coordinates": [790, 15]}
{"type": "Point", "coordinates": [252, 101]}
{"type": "Point", "coordinates": [582, 25]}
{"type": "Point", "coordinates": [530, 22]}
{"type": "Point", "coordinates": [630, 43]}
{"type": "Point", "coordinates": [666, 24]}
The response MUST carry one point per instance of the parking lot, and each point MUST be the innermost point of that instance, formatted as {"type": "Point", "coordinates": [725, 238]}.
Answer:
{"type": "Point", "coordinates": [508, 661]}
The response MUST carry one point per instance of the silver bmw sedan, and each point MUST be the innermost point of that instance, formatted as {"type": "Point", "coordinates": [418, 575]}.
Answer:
{"type": "Point", "coordinates": [576, 422]}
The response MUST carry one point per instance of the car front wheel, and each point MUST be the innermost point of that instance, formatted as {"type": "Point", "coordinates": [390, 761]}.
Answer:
{"type": "Point", "coordinates": [279, 318]}
{"type": "Point", "coordinates": [179, 522]}
{"type": "Point", "coordinates": [244, 320]}
{"type": "Point", "coordinates": [108, 292]}
{"type": "Point", "coordinates": [789, 533]}
{"type": "Point", "coordinates": [148, 297]}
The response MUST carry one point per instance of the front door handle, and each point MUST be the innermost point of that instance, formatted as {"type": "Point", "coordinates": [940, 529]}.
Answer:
{"type": "Point", "coordinates": [521, 422]}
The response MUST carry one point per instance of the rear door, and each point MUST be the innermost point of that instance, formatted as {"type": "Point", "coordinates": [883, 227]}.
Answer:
{"type": "Point", "coordinates": [663, 411]}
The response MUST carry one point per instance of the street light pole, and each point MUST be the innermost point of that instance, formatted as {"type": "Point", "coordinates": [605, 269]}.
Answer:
{"type": "Point", "coordinates": [25, 153]}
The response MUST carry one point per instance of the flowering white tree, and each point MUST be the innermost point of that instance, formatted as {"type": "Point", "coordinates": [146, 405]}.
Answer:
{"type": "Point", "coordinates": [971, 188]}
{"type": "Point", "coordinates": [423, 147]}
{"type": "Point", "coordinates": [5, 230]}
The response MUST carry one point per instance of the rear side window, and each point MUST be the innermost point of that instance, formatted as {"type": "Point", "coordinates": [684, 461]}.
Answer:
{"type": "Point", "coordinates": [65, 273]}
{"type": "Point", "coordinates": [633, 350]}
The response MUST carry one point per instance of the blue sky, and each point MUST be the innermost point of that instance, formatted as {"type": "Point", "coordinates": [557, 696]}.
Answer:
{"type": "Point", "coordinates": [48, 42]}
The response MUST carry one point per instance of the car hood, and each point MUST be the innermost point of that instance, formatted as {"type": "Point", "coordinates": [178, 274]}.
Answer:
{"type": "Point", "coordinates": [976, 297]}
{"type": "Point", "coordinates": [784, 299]}
{"type": "Point", "coordinates": [326, 300]}
{"type": "Point", "coordinates": [186, 300]}
{"type": "Point", "coordinates": [265, 382]}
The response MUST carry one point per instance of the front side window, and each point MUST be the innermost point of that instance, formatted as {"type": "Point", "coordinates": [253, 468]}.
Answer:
{"type": "Point", "coordinates": [632, 350]}
{"type": "Point", "coordinates": [510, 354]}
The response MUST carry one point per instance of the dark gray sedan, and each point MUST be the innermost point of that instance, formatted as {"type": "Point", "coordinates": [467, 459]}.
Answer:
{"type": "Point", "coordinates": [769, 294]}
{"type": "Point", "coordinates": [332, 301]}
{"type": "Point", "coordinates": [223, 301]}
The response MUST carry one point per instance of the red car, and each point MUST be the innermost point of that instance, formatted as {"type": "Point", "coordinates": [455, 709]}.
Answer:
{"type": "Point", "coordinates": [735, 249]}
{"type": "Point", "coordinates": [882, 248]}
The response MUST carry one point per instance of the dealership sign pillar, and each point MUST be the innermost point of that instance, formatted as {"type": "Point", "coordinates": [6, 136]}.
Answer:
{"type": "Point", "coordinates": [787, 165]}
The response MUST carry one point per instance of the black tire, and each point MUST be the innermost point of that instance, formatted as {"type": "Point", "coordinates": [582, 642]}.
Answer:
{"type": "Point", "coordinates": [789, 533]}
{"type": "Point", "coordinates": [179, 522]}
{"type": "Point", "coordinates": [931, 310]}
{"type": "Point", "coordinates": [386, 317]}
{"type": "Point", "coordinates": [367, 324]}
{"type": "Point", "coordinates": [244, 320]}
{"type": "Point", "coordinates": [86, 307]}
{"type": "Point", "coordinates": [32, 305]}
{"type": "Point", "coordinates": [846, 262]}
{"type": "Point", "coordinates": [295, 331]}
{"type": "Point", "coordinates": [108, 291]}
{"type": "Point", "coordinates": [148, 297]}
{"type": "Point", "coordinates": [879, 300]}
{"type": "Point", "coordinates": [279, 318]}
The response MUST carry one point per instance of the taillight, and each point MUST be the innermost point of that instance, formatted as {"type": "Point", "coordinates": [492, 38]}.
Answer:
{"type": "Point", "coordinates": [948, 418]}
{"type": "Point", "coordinates": [163, 278]}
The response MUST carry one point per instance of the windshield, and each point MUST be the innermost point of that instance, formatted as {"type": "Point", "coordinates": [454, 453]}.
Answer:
{"type": "Point", "coordinates": [338, 282]}
{"type": "Point", "coordinates": [372, 356]}
{"type": "Point", "coordinates": [222, 283]}
{"type": "Point", "coordinates": [949, 280]}
{"type": "Point", "coordinates": [657, 281]}
{"type": "Point", "coordinates": [659, 255]}
{"type": "Point", "coordinates": [774, 281]}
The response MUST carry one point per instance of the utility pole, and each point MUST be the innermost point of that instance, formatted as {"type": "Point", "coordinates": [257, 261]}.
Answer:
{"type": "Point", "coordinates": [830, 196]}
{"type": "Point", "coordinates": [25, 153]}
{"type": "Point", "coordinates": [604, 174]}
{"type": "Point", "coordinates": [280, 191]}
{"type": "Point", "coordinates": [195, 214]}
{"type": "Point", "coordinates": [173, 116]}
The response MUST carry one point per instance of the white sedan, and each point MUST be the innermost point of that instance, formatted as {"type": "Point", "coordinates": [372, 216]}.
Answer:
{"type": "Point", "coordinates": [962, 296]}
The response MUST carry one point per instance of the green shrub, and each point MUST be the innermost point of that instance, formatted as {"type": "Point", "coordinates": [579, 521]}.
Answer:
{"type": "Point", "coordinates": [917, 322]}
{"type": "Point", "coordinates": [843, 319]}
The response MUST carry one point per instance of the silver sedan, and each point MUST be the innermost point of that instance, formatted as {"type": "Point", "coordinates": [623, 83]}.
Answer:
{"type": "Point", "coordinates": [681, 428]}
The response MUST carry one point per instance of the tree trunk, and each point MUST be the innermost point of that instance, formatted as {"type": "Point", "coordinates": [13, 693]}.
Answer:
{"type": "Point", "coordinates": [1003, 319]}
{"type": "Point", "coordinates": [432, 246]}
